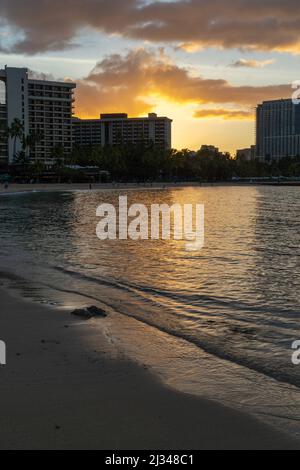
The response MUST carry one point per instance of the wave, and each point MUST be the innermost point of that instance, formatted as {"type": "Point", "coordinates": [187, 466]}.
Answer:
{"type": "Point", "coordinates": [16, 193]}
{"type": "Point", "coordinates": [148, 309]}
{"type": "Point", "coordinates": [200, 339]}
{"type": "Point", "coordinates": [184, 296]}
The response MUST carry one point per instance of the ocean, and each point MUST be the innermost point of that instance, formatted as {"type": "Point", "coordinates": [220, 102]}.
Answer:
{"type": "Point", "coordinates": [219, 322]}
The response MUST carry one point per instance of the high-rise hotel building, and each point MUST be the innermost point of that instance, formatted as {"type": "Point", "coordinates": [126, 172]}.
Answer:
{"type": "Point", "coordinates": [115, 129]}
{"type": "Point", "coordinates": [3, 135]}
{"type": "Point", "coordinates": [277, 130]}
{"type": "Point", "coordinates": [44, 107]}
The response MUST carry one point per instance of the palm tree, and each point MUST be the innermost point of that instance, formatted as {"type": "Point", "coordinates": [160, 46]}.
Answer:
{"type": "Point", "coordinates": [22, 159]}
{"type": "Point", "coordinates": [58, 155]}
{"type": "Point", "coordinates": [37, 169]}
{"type": "Point", "coordinates": [59, 167]}
{"type": "Point", "coordinates": [29, 141]}
{"type": "Point", "coordinates": [16, 131]}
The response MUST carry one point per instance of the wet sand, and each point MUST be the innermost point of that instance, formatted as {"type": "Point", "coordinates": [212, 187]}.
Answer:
{"type": "Point", "coordinates": [65, 387]}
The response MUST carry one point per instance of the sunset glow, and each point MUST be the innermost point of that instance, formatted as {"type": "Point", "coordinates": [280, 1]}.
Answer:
{"type": "Point", "coordinates": [206, 66]}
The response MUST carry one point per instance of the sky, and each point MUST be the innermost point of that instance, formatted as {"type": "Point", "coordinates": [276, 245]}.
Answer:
{"type": "Point", "coordinates": [206, 64]}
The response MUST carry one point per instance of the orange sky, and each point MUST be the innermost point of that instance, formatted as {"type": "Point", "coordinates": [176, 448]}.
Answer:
{"type": "Point", "coordinates": [204, 63]}
{"type": "Point", "coordinates": [204, 110]}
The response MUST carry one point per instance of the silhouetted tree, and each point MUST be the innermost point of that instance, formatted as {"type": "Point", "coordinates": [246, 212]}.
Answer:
{"type": "Point", "coordinates": [16, 132]}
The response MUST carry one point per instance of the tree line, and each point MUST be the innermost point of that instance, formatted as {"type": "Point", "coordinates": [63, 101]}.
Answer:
{"type": "Point", "coordinates": [140, 162]}
{"type": "Point", "coordinates": [23, 164]}
{"type": "Point", "coordinates": [143, 162]}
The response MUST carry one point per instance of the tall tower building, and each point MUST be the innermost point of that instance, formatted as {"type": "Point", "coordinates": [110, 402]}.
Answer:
{"type": "Point", "coordinates": [277, 130]}
{"type": "Point", "coordinates": [43, 107]}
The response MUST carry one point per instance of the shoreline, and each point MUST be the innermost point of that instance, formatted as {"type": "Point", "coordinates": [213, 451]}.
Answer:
{"type": "Point", "coordinates": [156, 186]}
{"type": "Point", "coordinates": [66, 387]}
{"type": "Point", "coordinates": [29, 188]}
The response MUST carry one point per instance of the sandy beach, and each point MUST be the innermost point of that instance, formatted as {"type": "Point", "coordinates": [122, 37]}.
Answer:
{"type": "Point", "coordinates": [24, 188]}
{"type": "Point", "coordinates": [64, 387]}
{"type": "Point", "coordinates": [20, 188]}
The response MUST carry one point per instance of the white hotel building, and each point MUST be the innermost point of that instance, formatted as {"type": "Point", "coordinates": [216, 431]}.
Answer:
{"type": "Point", "coordinates": [277, 130]}
{"type": "Point", "coordinates": [114, 129]}
{"type": "Point", "coordinates": [3, 138]}
{"type": "Point", "coordinates": [44, 107]}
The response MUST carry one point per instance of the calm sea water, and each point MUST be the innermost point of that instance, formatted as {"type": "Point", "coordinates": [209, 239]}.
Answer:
{"type": "Point", "coordinates": [219, 322]}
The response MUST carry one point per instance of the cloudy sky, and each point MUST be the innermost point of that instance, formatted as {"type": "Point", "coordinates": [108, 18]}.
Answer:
{"type": "Point", "coordinates": [204, 63]}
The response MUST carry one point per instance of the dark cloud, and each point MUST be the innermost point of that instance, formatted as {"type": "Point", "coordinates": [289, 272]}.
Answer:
{"type": "Point", "coordinates": [251, 24]}
{"type": "Point", "coordinates": [226, 114]}
{"type": "Point", "coordinates": [130, 82]}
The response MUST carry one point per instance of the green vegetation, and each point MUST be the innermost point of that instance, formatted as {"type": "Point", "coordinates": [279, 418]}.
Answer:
{"type": "Point", "coordinates": [138, 163]}
{"type": "Point", "coordinates": [142, 162]}
{"type": "Point", "coordinates": [16, 132]}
